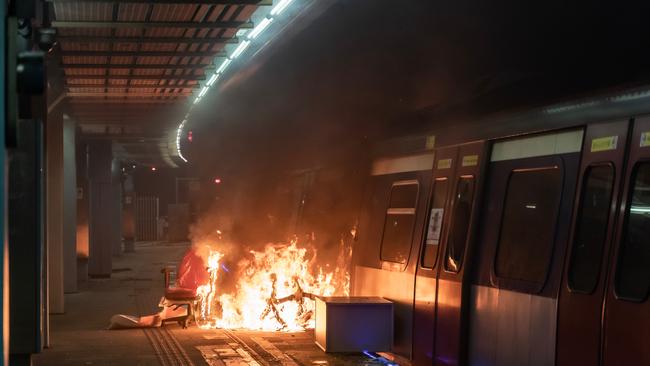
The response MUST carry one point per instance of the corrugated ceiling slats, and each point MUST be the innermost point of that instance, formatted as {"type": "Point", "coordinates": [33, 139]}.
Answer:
{"type": "Point", "coordinates": [133, 12]}
{"type": "Point", "coordinates": [133, 60]}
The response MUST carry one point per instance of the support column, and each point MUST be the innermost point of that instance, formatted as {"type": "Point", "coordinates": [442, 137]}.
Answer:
{"type": "Point", "coordinates": [61, 209]}
{"type": "Point", "coordinates": [128, 214]}
{"type": "Point", "coordinates": [69, 230]}
{"type": "Point", "coordinates": [117, 219]}
{"type": "Point", "coordinates": [104, 222]}
{"type": "Point", "coordinates": [54, 211]}
{"type": "Point", "coordinates": [82, 213]}
{"type": "Point", "coordinates": [26, 249]}
{"type": "Point", "coordinates": [6, 94]}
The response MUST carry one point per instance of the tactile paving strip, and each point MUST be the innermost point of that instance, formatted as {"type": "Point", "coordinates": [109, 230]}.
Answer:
{"type": "Point", "coordinates": [249, 348]}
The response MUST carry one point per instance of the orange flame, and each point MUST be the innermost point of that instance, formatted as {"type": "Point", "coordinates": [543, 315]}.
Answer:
{"type": "Point", "coordinates": [275, 290]}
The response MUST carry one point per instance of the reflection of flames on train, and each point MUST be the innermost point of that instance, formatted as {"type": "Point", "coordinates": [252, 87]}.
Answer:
{"type": "Point", "coordinates": [275, 289]}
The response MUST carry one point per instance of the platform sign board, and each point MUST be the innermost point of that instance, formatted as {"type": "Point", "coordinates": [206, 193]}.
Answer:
{"type": "Point", "coordinates": [444, 163]}
{"type": "Point", "coordinates": [604, 143]}
{"type": "Point", "coordinates": [470, 160]}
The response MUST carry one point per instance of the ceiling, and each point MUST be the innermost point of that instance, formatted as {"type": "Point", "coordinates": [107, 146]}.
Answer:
{"type": "Point", "coordinates": [126, 68]}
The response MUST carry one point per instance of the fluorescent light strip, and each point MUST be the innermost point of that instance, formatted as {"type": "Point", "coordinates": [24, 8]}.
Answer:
{"type": "Point", "coordinates": [213, 78]}
{"type": "Point", "coordinates": [203, 91]}
{"type": "Point", "coordinates": [283, 4]}
{"type": "Point", "coordinates": [240, 49]}
{"type": "Point", "coordinates": [223, 66]}
{"type": "Point", "coordinates": [280, 7]}
{"type": "Point", "coordinates": [260, 28]}
{"type": "Point", "coordinates": [179, 131]}
{"type": "Point", "coordinates": [640, 209]}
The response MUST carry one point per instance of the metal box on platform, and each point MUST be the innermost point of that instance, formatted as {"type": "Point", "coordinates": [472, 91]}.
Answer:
{"type": "Point", "coordinates": [354, 324]}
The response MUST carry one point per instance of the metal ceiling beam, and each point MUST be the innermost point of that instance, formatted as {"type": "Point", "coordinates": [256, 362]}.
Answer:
{"type": "Point", "coordinates": [135, 66]}
{"type": "Point", "coordinates": [102, 101]}
{"type": "Point", "coordinates": [174, 40]}
{"type": "Point", "coordinates": [138, 77]}
{"type": "Point", "coordinates": [141, 25]}
{"type": "Point", "coordinates": [189, 2]}
{"type": "Point", "coordinates": [134, 112]}
{"type": "Point", "coordinates": [124, 94]}
{"type": "Point", "coordinates": [104, 86]}
{"type": "Point", "coordinates": [144, 53]}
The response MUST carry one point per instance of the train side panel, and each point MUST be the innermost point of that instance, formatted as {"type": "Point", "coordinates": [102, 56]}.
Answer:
{"type": "Point", "coordinates": [520, 249]}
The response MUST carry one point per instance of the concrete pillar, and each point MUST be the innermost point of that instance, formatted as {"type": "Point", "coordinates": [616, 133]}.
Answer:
{"type": "Point", "coordinates": [104, 224]}
{"type": "Point", "coordinates": [54, 211]}
{"type": "Point", "coordinates": [117, 211]}
{"type": "Point", "coordinates": [26, 235]}
{"type": "Point", "coordinates": [61, 209]}
{"type": "Point", "coordinates": [128, 214]}
{"type": "Point", "coordinates": [69, 230]}
{"type": "Point", "coordinates": [82, 212]}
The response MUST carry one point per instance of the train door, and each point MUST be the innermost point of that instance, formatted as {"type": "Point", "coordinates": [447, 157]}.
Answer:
{"type": "Point", "coordinates": [583, 284]}
{"type": "Point", "coordinates": [385, 257]}
{"type": "Point", "coordinates": [424, 304]}
{"type": "Point", "coordinates": [627, 309]}
{"type": "Point", "coordinates": [519, 252]}
{"type": "Point", "coordinates": [452, 291]}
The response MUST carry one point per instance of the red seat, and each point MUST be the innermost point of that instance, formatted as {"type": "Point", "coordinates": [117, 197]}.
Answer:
{"type": "Point", "coordinates": [180, 293]}
{"type": "Point", "coordinates": [191, 274]}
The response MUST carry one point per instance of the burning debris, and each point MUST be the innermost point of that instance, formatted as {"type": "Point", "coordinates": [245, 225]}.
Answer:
{"type": "Point", "coordinates": [275, 289]}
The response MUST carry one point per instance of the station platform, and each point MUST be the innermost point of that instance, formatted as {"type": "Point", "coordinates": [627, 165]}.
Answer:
{"type": "Point", "coordinates": [80, 335]}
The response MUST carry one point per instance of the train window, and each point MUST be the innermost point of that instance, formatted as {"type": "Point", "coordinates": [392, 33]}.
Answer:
{"type": "Point", "coordinates": [460, 223]}
{"type": "Point", "coordinates": [436, 214]}
{"type": "Point", "coordinates": [403, 195]}
{"type": "Point", "coordinates": [591, 228]}
{"type": "Point", "coordinates": [633, 270]}
{"type": "Point", "coordinates": [528, 224]}
{"type": "Point", "coordinates": [400, 219]}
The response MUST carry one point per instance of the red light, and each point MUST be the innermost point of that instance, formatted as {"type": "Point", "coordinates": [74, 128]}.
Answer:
{"type": "Point", "coordinates": [217, 180]}
{"type": "Point", "coordinates": [153, 168]}
{"type": "Point", "coordinates": [189, 136]}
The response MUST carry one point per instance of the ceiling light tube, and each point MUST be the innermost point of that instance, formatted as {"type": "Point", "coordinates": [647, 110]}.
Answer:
{"type": "Point", "coordinates": [240, 49]}
{"type": "Point", "coordinates": [203, 91]}
{"type": "Point", "coordinates": [280, 7]}
{"type": "Point", "coordinates": [260, 28]}
{"type": "Point", "coordinates": [223, 66]}
{"type": "Point", "coordinates": [213, 78]}
{"type": "Point", "coordinates": [179, 131]}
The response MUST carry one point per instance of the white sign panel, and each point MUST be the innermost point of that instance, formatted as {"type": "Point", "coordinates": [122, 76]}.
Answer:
{"type": "Point", "coordinates": [435, 226]}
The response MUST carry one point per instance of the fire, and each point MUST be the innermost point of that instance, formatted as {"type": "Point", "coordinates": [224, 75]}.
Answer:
{"type": "Point", "coordinates": [275, 290]}
{"type": "Point", "coordinates": [209, 291]}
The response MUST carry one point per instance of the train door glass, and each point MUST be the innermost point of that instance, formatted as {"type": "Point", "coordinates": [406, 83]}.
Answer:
{"type": "Point", "coordinates": [434, 227]}
{"type": "Point", "coordinates": [400, 220]}
{"type": "Point", "coordinates": [591, 228]}
{"type": "Point", "coordinates": [633, 269]}
{"type": "Point", "coordinates": [462, 213]}
{"type": "Point", "coordinates": [526, 238]}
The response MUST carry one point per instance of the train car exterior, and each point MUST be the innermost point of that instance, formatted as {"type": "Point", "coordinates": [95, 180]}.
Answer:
{"type": "Point", "coordinates": [523, 242]}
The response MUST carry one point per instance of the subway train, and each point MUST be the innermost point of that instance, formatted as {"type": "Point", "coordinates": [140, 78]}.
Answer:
{"type": "Point", "coordinates": [516, 239]}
